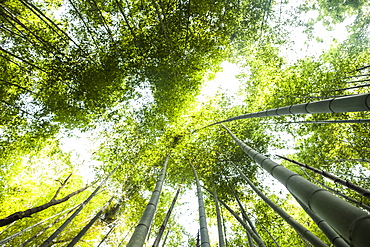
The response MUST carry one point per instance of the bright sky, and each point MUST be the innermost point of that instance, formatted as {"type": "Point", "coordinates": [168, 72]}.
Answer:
{"type": "Point", "coordinates": [224, 81]}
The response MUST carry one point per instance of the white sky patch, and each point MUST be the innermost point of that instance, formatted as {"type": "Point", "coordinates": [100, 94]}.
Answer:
{"type": "Point", "coordinates": [301, 45]}
{"type": "Point", "coordinates": [225, 81]}
{"type": "Point", "coordinates": [81, 147]}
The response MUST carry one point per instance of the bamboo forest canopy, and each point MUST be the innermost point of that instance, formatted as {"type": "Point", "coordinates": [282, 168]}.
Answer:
{"type": "Point", "coordinates": [129, 78]}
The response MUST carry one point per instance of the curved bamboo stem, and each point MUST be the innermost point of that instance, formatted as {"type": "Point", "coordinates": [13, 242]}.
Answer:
{"type": "Point", "coordinates": [348, 184]}
{"type": "Point", "coordinates": [301, 230]}
{"type": "Point", "coordinates": [353, 223]}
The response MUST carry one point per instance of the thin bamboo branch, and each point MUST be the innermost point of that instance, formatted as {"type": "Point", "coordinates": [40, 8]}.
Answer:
{"type": "Point", "coordinates": [348, 184]}
{"type": "Point", "coordinates": [360, 204]}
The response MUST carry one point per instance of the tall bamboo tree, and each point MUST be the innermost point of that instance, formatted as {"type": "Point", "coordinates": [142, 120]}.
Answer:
{"type": "Point", "coordinates": [301, 230]}
{"type": "Point", "coordinates": [204, 237]}
{"type": "Point", "coordinates": [353, 223]}
{"type": "Point", "coordinates": [141, 230]}
{"type": "Point", "coordinates": [221, 241]}
{"type": "Point", "coordinates": [91, 222]}
{"type": "Point", "coordinates": [348, 184]}
{"type": "Point", "coordinates": [353, 103]}
{"type": "Point", "coordinates": [167, 217]}
{"type": "Point", "coordinates": [78, 210]}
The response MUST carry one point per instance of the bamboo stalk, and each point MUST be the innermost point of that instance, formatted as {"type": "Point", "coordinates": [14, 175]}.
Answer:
{"type": "Point", "coordinates": [141, 230]}
{"type": "Point", "coordinates": [353, 223]}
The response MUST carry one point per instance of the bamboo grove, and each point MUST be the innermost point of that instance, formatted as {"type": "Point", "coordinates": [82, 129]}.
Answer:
{"type": "Point", "coordinates": [113, 131]}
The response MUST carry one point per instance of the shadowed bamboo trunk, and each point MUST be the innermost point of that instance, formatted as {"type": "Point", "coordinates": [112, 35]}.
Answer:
{"type": "Point", "coordinates": [204, 238]}
{"type": "Point", "coordinates": [6, 240]}
{"type": "Point", "coordinates": [334, 238]}
{"type": "Point", "coordinates": [78, 210]}
{"type": "Point", "coordinates": [353, 223]}
{"type": "Point", "coordinates": [350, 199]}
{"type": "Point", "coordinates": [92, 221]}
{"type": "Point", "coordinates": [301, 230]}
{"type": "Point", "coordinates": [165, 221]}
{"type": "Point", "coordinates": [106, 235]}
{"type": "Point", "coordinates": [353, 103]}
{"type": "Point", "coordinates": [141, 230]}
{"type": "Point", "coordinates": [29, 212]}
{"type": "Point", "coordinates": [349, 185]}
{"type": "Point", "coordinates": [221, 241]}
{"type": "Point", "coordinates": [258, 240]}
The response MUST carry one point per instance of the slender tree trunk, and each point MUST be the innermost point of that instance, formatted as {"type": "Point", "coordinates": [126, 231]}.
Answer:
{"type": "Point", "coordinates": [250, 240]}
{"type": "Point", "coordinates": [258, 240]}
{"type": "Point", "coordinates": [141, 231]}
{"type": "Point", "coordinates": [166, 237]}
{"type": "Point", "coordinates": [346, 183]}
{"type": "Point", "coordinates": [47, 227]}
{"type": "Point", "coordinates": [204, 237]}
{"type": "Point", "coordinates": [87, 227]}
{"type": "Point", "coordinates": [106, 235]}
{"type": "Point", "coordinates": [6, 240]}
{"type": "Point", "coordinates": [78, 210]}
{"type": "Point", "coordinates": [221, 242]}
{"type": "Point", "coordinates": [244, 213]}
{"type": "Point", "coordinates": [165, 221]}
{"type": "Point", "coordinates": [353, 224]}
{"type": "Point", "coordinates": [354, 103]}
{"type": "Point", "coordinates": [27, 213]}
{"type": "Point", "coordinates": [301, 230]}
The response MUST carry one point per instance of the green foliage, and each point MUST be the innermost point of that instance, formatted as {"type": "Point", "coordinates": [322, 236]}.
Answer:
{"type": "Point", "coordinates": [130, 71]}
